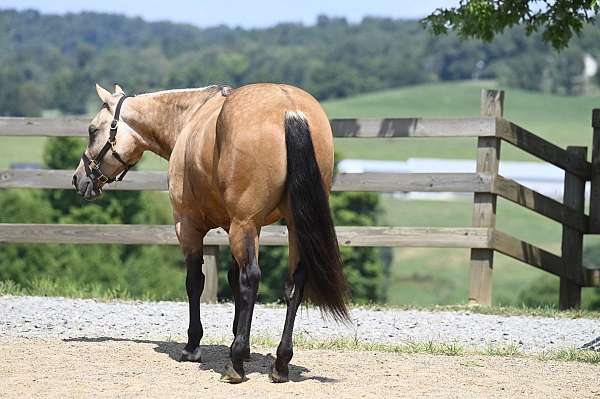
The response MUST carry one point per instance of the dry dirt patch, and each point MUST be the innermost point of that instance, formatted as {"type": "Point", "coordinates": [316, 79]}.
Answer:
{"type": "Point", "coordinates": [146, 369]}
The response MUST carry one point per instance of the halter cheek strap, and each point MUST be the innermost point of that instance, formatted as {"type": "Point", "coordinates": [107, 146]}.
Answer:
{"type": "Point", "coordinates": [92, 166]}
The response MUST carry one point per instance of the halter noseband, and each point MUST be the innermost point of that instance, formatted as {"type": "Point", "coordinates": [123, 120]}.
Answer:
{"type": "Point", "coordinates": [92, 166]}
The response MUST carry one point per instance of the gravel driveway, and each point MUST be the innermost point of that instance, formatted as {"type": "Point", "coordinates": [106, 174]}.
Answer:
{"type": "Point", "coordinates": [41, 317]}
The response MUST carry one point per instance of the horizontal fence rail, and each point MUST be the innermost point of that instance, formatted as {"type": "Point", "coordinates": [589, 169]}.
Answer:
{"type": "Point", "coordinates": [485, 126]}
{"type": "Point", "coordinates": [490, 129]}
{"type": "Point", "coordinates": [439, 237]}
{"type": "Point", "coordinates": [542, 149]}
{"type": "Point", "coordinates": [376, 182]}
{"type": "Point", "coordinates": [360, 127]}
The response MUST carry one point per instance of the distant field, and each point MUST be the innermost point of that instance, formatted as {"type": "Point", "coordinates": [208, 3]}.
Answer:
{"type": "Point", "coordinates": [436, 276]}
{"type": "Point", "coordinates": [562, 120]}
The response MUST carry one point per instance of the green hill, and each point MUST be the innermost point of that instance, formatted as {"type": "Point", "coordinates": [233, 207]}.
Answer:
{"type": "Point", "coordinates": [559, 119]}
{"type": "Point", "coordinates": [430, 276]}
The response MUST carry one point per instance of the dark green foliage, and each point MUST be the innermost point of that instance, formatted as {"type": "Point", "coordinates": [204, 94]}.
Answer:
{"type": "Point", "coordinates": [591, 258]}
{"type": "Point", "coordinates": [544, 291]}
{"type": "Point", "coordinates": [559, 20]}
{"type": "Point", "coordinates": [52, 62]}
{"type": "Point", "coordinates": [154, 272]}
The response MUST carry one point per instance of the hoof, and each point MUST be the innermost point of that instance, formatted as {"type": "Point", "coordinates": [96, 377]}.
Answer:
{"type": "Point", "coordinates": [187, 356]}
{"type": "Point", "coordinates": [277, 376]}
{"type": "Point", "coordinates": [231, 376]}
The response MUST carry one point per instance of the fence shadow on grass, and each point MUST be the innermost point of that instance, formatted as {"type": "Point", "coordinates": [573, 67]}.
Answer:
{"type": "Point", "coordinates": [214, 358]}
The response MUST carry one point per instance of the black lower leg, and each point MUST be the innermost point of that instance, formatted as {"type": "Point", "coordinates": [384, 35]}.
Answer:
{"type": "Point", "coordinates": [294, 290]}
{"type": "Point", "coordinates": [233, 277]}
{"type": "Point", "coordinates": [194, 284]}
{"type": "Point", "coordinates": [249, 277]}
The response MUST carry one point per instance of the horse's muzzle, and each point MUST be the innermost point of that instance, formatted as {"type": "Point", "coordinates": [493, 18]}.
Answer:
{"type": "Point", "coordinates": [85, 187]}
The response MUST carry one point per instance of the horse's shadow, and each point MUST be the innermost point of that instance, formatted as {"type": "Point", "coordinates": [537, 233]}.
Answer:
{"type": "Point", "coordinates": [214, 358]}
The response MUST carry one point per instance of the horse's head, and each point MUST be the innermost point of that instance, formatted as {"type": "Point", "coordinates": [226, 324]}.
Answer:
{"type": "Point", "coordinates": [112, 147]}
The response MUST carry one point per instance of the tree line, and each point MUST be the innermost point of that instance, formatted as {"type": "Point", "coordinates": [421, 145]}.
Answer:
{"type": "Point", "coordinates": [50, 62]}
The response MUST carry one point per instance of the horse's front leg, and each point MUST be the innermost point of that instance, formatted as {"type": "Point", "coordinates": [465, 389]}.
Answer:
{"type": "Point", "coordinates": [191, 243]}
{"type": "Point", "coordinates": [194, 285]}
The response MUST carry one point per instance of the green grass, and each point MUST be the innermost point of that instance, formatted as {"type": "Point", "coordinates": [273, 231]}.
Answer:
{"type": "Point", "coordinates": [69, 289]}
{"type": "Point", "coordinates": [545, 311]}
{"type": "Point", "coordinates": [430, 276]}
{"type": "Point", "coordinates": [301, 341]}
{"type": "Point", "coordinates": [562, 120]}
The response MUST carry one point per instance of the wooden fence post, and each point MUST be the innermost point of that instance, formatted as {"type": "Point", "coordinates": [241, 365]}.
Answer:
{"type": "Point", "coordinates": [572, 239]}
{"type": "Point", "coordinates": [209, 268]}
{"type": "Point", "coordinates": [595, 186]}
{"type": "Point", "coordinates": [484, 204]}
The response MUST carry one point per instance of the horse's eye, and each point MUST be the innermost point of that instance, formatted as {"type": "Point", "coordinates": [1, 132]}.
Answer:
{"type": "Point", "coordinates": [92, 129]}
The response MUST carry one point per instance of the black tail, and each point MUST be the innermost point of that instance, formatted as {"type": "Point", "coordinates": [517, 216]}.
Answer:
{"type": "Point", "coordinates": [326, 284]}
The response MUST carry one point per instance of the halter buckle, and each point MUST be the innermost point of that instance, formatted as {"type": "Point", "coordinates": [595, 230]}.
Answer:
{"type": "Point", "coordinates": [113, 124]}
{"type": "Point", "coordinates": [103, 179]}
{"type": "Point", "coordinates": [93, 164]}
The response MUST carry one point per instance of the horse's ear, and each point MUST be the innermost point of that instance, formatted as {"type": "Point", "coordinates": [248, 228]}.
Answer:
{"type": "Point", "coordinates": [118, 89]}
{"type": "Point", "coordinates": [103, 94]}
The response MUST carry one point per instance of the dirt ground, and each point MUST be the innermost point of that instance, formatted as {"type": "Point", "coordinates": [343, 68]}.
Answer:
{"type": "Point", "coordinates": [112, 368]}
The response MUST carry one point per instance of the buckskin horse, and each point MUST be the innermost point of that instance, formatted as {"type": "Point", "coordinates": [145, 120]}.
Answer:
{"type": "Point", "coordinates": [238, 159]}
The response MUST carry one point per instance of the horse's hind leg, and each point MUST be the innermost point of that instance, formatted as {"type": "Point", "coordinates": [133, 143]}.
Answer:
{"type": "Point", "coordinates": [243, 238]}
{"type": "Point", "coordinates": [233, 277]}
{"type": "Point", "coordinates": [294, 291]}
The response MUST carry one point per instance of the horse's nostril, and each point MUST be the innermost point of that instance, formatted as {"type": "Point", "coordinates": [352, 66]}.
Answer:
{"type": "Point", "coordinates": [74, 181]}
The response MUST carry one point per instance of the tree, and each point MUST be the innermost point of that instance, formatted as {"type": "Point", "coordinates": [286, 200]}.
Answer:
{"type": "Point", "coordinates": [484, 19]}
{"type": "Point", "coordinates": [154, 272]}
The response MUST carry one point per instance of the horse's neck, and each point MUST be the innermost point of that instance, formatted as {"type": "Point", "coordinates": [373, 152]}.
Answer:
{"type": "Point", "coordinates": [160, 117]}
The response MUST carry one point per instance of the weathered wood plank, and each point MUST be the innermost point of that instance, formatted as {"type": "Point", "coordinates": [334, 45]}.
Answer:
{"type": "Point", "coordinates": [57, 127]}
{"type": "Point", "coordinates": [527, 253]}
{"type": "Point", "coordinates": [157, 181]}
{"type": "Point", "coordinates": [61, 179]}
{"type": "Point", "coordinates": [524, 196]}
{"type": "Point", "coordinates": [413, 127]}
{"type": "Point", "coordinates": [486, 126]}
{"type": "Point", "coordinates": [595, 178]}
{"type": "Point", "coordinates": [413, 182]}
{"type": "Point", "coordinates": [492, 103]}
{"type": "Point", "coordinates": [542, 149]}
{"type": "Point", "coordinates": [484, 204]}
{"type": "Point", "coordinates": [355, 127]}
{"type": "Point", "coordinates": [591, 278]}
{"type": "Point", "coordinates": [572, 239]}
{"type": "Point", "coordinates": [211, 279]}
{"type": "Point", "coordinates": [443, 237]}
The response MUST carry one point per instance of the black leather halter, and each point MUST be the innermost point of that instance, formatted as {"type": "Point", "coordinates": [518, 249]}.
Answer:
{"type": "Point", "coordinates": [92, 166]}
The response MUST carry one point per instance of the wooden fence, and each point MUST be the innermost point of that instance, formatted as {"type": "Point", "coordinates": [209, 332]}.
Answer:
{"type": "Point", "coordinates": [482, 237]}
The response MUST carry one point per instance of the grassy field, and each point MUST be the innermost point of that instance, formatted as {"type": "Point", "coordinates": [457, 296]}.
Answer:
{"type": "Point", "coordinates": [423, 277]}
{"type": "Point", "coordinates": [440, 276]}
{"type": "Point", "coordinates": [562, 120]}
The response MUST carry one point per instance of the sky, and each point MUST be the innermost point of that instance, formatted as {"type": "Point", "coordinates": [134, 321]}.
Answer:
{"type": "Point", "coordinates": [247, 14]}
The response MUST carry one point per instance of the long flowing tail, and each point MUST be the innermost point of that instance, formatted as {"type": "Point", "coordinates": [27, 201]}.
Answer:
{"type": "Point", "coordinates": [326, 285]}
